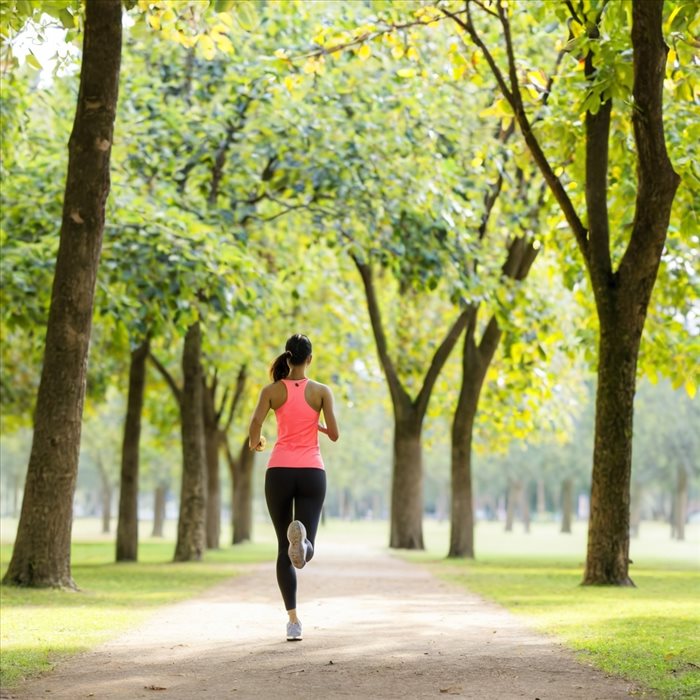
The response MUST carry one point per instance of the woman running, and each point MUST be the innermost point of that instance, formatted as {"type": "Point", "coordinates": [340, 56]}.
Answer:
{"type": "Point", "coordinates": [295, 481]}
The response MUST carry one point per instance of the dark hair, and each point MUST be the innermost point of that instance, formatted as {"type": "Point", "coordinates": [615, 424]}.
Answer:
{"type": "Point", "coordinates": [296, 351]}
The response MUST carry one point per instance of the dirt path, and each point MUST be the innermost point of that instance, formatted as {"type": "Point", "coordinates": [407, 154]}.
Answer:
{"type": "Point", "coordinates": [375, 627]}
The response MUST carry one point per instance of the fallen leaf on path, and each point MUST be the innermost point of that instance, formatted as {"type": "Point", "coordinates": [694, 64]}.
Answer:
{"type": "Point", "coordinates": [452, 690]}
{"type": "Point", "coordinates": [154, 687]}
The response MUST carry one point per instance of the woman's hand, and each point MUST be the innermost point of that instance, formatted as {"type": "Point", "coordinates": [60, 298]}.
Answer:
{"type": "Point", "coordinates": [322, 429]}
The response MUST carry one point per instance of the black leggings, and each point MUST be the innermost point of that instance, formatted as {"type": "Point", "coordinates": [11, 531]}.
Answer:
{"type": "Point", "coordinates": [304, 489]}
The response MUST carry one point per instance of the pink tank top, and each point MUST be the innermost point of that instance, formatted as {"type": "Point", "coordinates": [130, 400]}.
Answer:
{"type": "Point", "coordinates": [297, 430]}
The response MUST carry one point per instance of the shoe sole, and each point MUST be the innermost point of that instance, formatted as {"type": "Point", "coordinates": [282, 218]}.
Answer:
{"type": "Point", "coordinates": [294, 639]}
{"type": "Point", "coordinates": [296, 534]}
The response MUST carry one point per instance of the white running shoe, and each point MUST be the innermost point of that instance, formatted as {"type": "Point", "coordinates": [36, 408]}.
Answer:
{"type": "Point", "coordinates": [298, 544]}
{"type": "Point", "coordinates": [294, 631]}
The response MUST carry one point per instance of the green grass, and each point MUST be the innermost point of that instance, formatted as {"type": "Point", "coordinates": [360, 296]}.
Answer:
{"type": "Point", "coordinates": [41, 627]}
{"type": "Point", "coordinates": [649, 634]}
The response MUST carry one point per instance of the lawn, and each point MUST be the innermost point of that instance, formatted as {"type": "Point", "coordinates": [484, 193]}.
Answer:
{"type": "Point", "coordinates": [40, 627]}
{"type": "Point", "coordinates": [649, 634]}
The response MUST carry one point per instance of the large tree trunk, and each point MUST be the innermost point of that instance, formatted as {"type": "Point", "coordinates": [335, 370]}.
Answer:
{"type": "Point", "coordinates": [567, 504]}
{"type": "Point", "coordinates": [607, 559]}
{"type": "Point", "coordinates": [159, 510]}
{"type": "Point", "coordinates": [191, 535]}
{"type": "Point", "coordinates": [680, 503]}
{"type": "Point", "coordinates": [241, 469]}
{"type": "Point", "coordinates": [407, 486]}
{"type": "Point", "coordinates": [128, 525]}
{"type": "Point", "coordinates": [211, 443]}
{"type": "Point", "coordinates": [41, 555]}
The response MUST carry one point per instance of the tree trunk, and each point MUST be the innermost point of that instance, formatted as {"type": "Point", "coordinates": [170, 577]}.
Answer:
{"type": "Point", "coordinates": [106, 507]}
{"type": "Point", "coordinates": [513, 500]}
{"type": "Point", "coordinates": [41, 555]}
{"type": "Point", "coordinates": [128, 525]}
{"type": "Point", "coordinates": [211, 443]}
{"type": "Point", "coordinates": [635, 509]}
{"type": "Point", "coordinates": [607, 558]}
{"type": "Point", "coordinates": [407, 486]}
{"type": "Point", "coordinates": [541, 500]}
{"type": "Point", "coordinates": [191, 531]}
{"type": "Point", "coordinates": [525, 506]}
{"type": "Point", "coordinates": [681, 503]}
{"type": "Point", "coordinates": [159, 510]}
{"type": "Point", "coordinates": [242, 500]}
{"type": "Point", "coordinates": [567, 504]}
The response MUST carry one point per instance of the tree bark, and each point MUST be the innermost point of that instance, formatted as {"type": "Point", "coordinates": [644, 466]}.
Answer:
{"type": "Point", "coordinates": [241, 469]}
{"type": "Point", "coordinates": [211, 443]}
{"type": "Point", "coordinates": [128, 524]}
{"type": "Point", "coordinates": [191, 530]}
{"type": "Point", "coordinates": [106, 506]}
{"type": "Point", "coordinates": [567, 504]}
{"type": "Point", "coordinates": [680, 510]}
{"type": "Point", "coordinates": [608, 525]}
{"type": "Point", "coordinates": [159, 510]}
{"type": "Point", "coordinates": [41, 555]}
{"type": "Point", "coordinates": [407, 486]}
{"type": "Point", "coordinates": [525, 506]}
{"type": "Point", "coordinates": [541, 499]}
{"type": "Point", "coordinates": [513, 499]}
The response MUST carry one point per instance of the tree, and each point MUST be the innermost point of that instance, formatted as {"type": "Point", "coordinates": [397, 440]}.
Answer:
{"type": "Point", "coordinates": [622, 295]}
{"type": "Point", "coordinates": [41, 554]}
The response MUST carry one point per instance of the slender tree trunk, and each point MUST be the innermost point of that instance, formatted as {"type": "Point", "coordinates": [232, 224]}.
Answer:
{"type": "Point", "coordinates": [191, 530]}
{"type": "Point", "coordinates": [128, 525]}
{"type": "Point", "coordinates": [681, 502]}
{"type": "Point", "coordinates": [242, 501]}
{"type": "Point", "coordinates": [159, 510]}
{"type": "Point", "coordinates": [407, 486]}
{"type": "Point", "coordinates": [211, 443]}
{"type": "Point", "coordinates": [541, 499]}
{"type": "Point", "coordinates": [512, 503]}
{"type": "Point", "coordinates": [41, 555]}
{"type": "Point", "coordinates": [106, 506]}
{"type": "Point", "coordinates": [635, 509]}
{"type": "Point", "coordinates": [525, 506]}
{"type": "Point", "coordinates": [607, 558]}
{"type": "Point", "coordinates": [567, 504]}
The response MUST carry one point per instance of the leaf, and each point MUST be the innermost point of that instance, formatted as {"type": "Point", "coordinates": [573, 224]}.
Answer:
{"type": "Point", "coordinates": [222, 5]}
{"type": "Point", "coordinates": [690, 387]}
{"type": "Point", "coordinates": [365, 52]}
{"type": "Point", "coordinates": [246, 15]}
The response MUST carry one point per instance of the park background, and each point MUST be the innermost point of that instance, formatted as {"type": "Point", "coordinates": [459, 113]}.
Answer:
{"type": "Point", "coordinates": [266, 182]}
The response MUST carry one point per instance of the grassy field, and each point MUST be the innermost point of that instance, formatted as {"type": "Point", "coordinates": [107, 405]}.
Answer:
{"type": "Point", "coordinates": [40, 627]}
{"type": "Point", "coordinates": [650, 634]}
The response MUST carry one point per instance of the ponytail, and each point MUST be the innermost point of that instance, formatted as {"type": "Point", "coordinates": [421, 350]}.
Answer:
{"type": "Point", "coordinates": [280, 367]}
{"type": "Point", "coordinates": [297, 351]}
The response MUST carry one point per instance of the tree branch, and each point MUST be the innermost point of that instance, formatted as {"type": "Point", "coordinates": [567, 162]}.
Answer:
{"type": "Point", "coordinates": [177, 392]}
{"type": "Point", "coordinates": [237, 395]}
{"type": "Point", "coordinates": [438, 361]}
{"type": "Point", "coordinates": [657, 181]}
{"type": "Point", "coordinates": [398, 393]}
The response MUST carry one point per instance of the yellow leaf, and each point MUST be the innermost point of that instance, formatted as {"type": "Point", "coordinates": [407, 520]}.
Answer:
{"type": "Point", "coordinates": [459, 71]}
{"type": "Point", "coordinates": [406, 73]}
{"type": "Point", "coordinates": [167, 16]}
{"type": "Point", "coordinates": [412, 53]}
{"type": "Point", "coordinates": [397, 51]}
{"type": "Point", "coordinates": [282, 53]}
{"type": "Point", "coordinates": [226, 18]}
{"type": "Point", "coordinates": [154, 21]}
{"type": "Point", "coordinates": [365, 52]}
{"type": "Point", "coordinates": [143, 5]}
{"type": "Point", "coordinates": [207, 45]}
{"type": "Point", "coordinates": [476, 162]}
{"type": "Point", "coordinates": [690, 387]}
{"type": "Point", "coordinates": [289, 83]}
